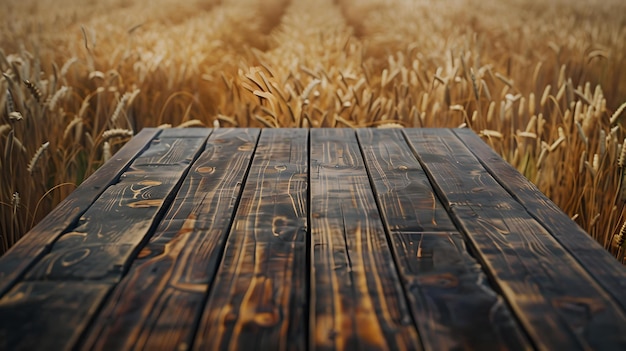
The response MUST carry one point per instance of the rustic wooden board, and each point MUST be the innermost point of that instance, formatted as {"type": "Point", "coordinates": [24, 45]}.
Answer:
{"type": "Point", "coordinates": [455, 307]}
{"type": "Point", "coordinates": [597, 261]}
{"type": "Point", "coordinates": [557, 302]}
{"type": "Point", "coordinates": [357, 301]}
{"type": "Point", "coordinates": [477, 187]}
{"type": "Point", "coordinates": [217, 252]}
{"type": "Point", "coordinates": [37, 242]}
{"type": "Point", "coordinates": [107, 236]}
{"type": "Point", "coordinates": [258, 299]}
{"type": "Point", "coordinates": [405, 196]}
{"type": "Point", "coordinates": [47, 315]}
{"type": "Point", "coordinates": [158, 304]}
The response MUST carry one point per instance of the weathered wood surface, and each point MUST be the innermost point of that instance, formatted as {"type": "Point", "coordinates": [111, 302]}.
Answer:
{"type": "Point", "coordinates": [100, 246]}
{"type": "Point", "coordinates": [549, 291]}
{"type": "Point", "coordinates": [21, 257]}
{"type": "Point", "coordinates": [48, 315]}
{"type": "Point", "coordinates": [309, 239]}
{"type": "Point", "coordinates": [106, 236]}
{"type": "Point", "coordinates": [597, 262]}
{"type": "Point", "coordinates": [259, 298]}
{"type": "Point", "coordinates": [357, 301]}
{"type": "Point", "coordinates": [405, 196]}
{"type": "Point", "coordinates": [160, 301]}
{"type": "Point", "coordinates": [453, 305]}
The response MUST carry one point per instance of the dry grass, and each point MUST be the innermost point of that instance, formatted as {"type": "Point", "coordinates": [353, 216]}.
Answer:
{"type": "Point", "coordinates": [543, 82]}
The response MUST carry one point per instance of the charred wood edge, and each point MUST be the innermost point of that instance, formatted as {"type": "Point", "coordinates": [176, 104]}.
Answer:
{"type": "Point", "coordinates": [308, 323]}
{"type": "Point", "coordinates": [167, 202]}
{"type": "Point", "coordinates": [471, 250]}
{"type": "Point", "coordinates": [133, 149]}
{"type": "Point", "coordinates": [390, 243]}
{"type": "Point", "coordinates": [600, 265]}
{"type": "Point", "coordinates": [205, 300]}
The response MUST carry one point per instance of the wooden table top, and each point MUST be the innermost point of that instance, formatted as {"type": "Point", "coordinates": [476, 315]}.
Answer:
{"type": "Point", "coordinates": [275, 239]}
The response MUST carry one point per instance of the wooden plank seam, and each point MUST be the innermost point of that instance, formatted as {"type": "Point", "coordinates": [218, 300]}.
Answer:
{"type": "Point", "coordinates": [109, 255]}
{"type": "Point", "coordinates": [19, 266]}
{"type": "Point", "coordinates": [444, 281]}
{"type": "Point", "coordinates": [198, 320]}
{"type": "Point", "coordinates": [513, 245]}
{"type": "Point", "coordinates": [603, 267]}
{"type": "Point", "coordinates": [170, 282]}
{"type": "Point", "coordinates": [405, 288]}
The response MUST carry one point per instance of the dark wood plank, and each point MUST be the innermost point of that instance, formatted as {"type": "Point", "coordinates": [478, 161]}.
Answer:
{"type": "Point", "coordinates": [357, 301]}
{"type": "Point", "coordinates": [454, 305]}
{"type": "Point", "coordinates": [259, 299]}
{"type": "Point", "coordinates": [407, 201]}
{"type": "Point", "coordinates": [158, 303]}
{"type": "Point", "coordinates": [108, 234]}
{"type": "Point", "coordinates": [37, 242]}
{"type": "Point", "coordinates": [597, 262]}
{"type": "Point", "coordinates": [558, 303]}
{"type": "Point", "coordinates": [475, 187]}
{"type": "Point", "coordinates": [47, 315]}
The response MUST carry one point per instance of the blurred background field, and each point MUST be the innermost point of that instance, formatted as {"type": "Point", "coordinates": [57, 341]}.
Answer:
{"type": "Point", "coordinates": [544, 83]}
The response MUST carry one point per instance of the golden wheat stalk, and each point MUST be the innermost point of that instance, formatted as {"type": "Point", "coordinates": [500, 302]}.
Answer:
{"type": "Point", "coordinates": [191, 123]}
{"type": "Point", "coordinates": [117, 133]}
{"type": "Point", "coordinates": [615, 116]}
{"type": "Point", "coordinates": [58, 95]}
{"type": "Point", "coordinates": [37, 156]}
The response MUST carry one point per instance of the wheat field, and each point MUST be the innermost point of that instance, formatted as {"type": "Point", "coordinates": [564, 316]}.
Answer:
{"type": "Point", "coordinates": [544, 83]}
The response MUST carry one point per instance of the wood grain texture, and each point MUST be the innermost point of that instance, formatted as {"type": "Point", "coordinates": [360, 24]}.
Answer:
{"type": "Point", "coordinates": [453, 304]}
{"type": "Point", "coordinates": [406, 198]}
{"type": "Point", "coordinates": [47, 315]}
{"type": "Point", "coordinates": [557, 302]}
{"type": "Point", "coordinates": [258, 299]}
{"type": "Point", "coordinates": [37, 242]}
{"type": "Point", "coordinates": [103, 242]}
{"type": "Point", "coordinates": [357, 301]}
{"type": "Point", "coordinates": [477, 188]}
{"type": "Point", "coordinates": [158, 303]}
{"type": "Point", "coordinates": [597, 261]}
{"type": "Point", "coordinates": [322, 239]}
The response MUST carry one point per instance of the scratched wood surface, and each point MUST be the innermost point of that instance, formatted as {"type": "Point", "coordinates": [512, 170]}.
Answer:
{"type": "Point", "coordinates": [598, 263]}
{"type": "Point", "coordinates": [259, 295]}
{"type": "Point", "coordinates": [357, 299]}
{"type": "Point", "coordinates": [20, 258]}
{"type": "Point", "coordinates": [322, 239]}
{"type": "Point", "coordinates": [98, 248]}
{"type": "Point", "coordinates": [548, 289]}
{"type": "Point", "coordinates": [454, 305]}
{"type": "Point", "coordinates": [160, 301]}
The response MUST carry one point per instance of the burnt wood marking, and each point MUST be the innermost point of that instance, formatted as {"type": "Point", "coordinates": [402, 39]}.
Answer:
{"type": "Point", "coordinates": [105, 239]}
{"type": "Point", "coordinates": [231, 265]}
{"type": "Point", "coordinates": [453, 304]}
{"type": "Point", "coordinates": [559, 305]}
{"type": "Point", "coordinates": [103, 243]}
{"type": "Point", "coordinates": [48, 315]}
{"type": "Point", "coordinates": [407, 200]}
{"type": "Point", "coordinates": [357, 301]}
{"type": "Point", "coordinates": [597, 261]}
{"type": "Point", "coordinates": [37, 242]}
{"type": "Point", "coordinates": [158, 303]}
{"type": "Point", "coordinates": [258, 299]}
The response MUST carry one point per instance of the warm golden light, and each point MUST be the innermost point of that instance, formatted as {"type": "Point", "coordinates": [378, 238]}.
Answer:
{"type": "Point", "coordinates": [543, 82]}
